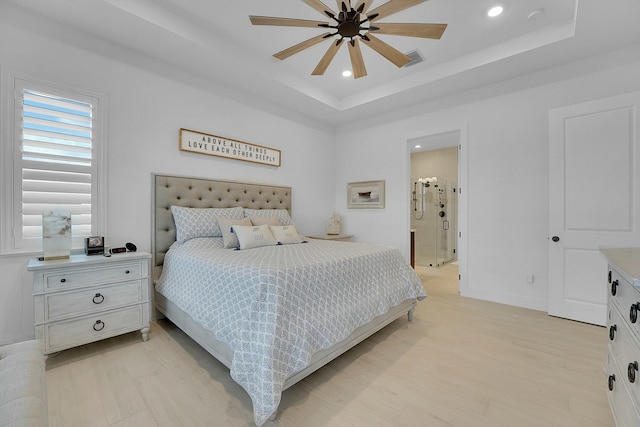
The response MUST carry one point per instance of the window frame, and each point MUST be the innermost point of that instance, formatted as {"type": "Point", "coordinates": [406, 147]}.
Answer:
{"type": "Point", "coordinates": [11, 157]}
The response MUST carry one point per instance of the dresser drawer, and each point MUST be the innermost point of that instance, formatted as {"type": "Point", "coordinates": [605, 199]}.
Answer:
{"type": "Point", "coordinates": [626, 349]}
{"type": "Point", "coordinates": [87, 329]}
{"type": "Point", "coordinates": [81, 277]}
{"type": "Point", "coordinates": [625, 411]}
{"type": "Point", "coordinates": [86, 301]}
{"type": "Point", "coordinates": [627, 298]}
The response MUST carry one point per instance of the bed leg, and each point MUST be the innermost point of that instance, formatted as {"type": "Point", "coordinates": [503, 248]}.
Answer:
{"type": "Point", "coordinates": [410, 313]}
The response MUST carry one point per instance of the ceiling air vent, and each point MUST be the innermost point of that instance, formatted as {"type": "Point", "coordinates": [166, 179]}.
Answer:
{"type": "Point", "coordinates": [416, 58]}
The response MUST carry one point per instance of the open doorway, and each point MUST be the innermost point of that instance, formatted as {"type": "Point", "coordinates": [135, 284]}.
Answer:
{"type": "Point", "coordinates": [434, 201]}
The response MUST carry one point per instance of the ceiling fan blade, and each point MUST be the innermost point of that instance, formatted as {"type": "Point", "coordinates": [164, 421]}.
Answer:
{"type": "Point", "coordinates": [327, 58]}
{"type": "Point", "coordinates": [319, 6]}
{"type": "Point", "coordinates": [427, 31]}
{"type": "Point", "coordinates": [364, 4]}
{"type": "Point", "coordinates": [391, 7]}
{"type": "Point", "coordinates": [357, 62]}
{"type": "Point", "coordinates": [284, 54]}
{"type": "Point", "coordinates": [389, 52]}
{"type": "Point", "coordinates": [284, 22]}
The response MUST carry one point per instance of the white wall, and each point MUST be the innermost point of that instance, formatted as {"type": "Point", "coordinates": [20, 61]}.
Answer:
{"type": "Point", "coordinates": [504, 182]}
{"type": "Point", "coordinates": [145, 112]}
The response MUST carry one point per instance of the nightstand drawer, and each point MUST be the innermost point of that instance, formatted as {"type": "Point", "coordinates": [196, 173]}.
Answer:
{"type": "Point", "coordinates": [75, 332]}
{"type": "Point", "coordinates": [93, 276]}
{"type": "Point", "coordinates": [87, 301]}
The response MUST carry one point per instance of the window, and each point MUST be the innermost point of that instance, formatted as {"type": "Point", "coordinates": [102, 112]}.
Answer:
{"type": "Point", "coordinates": [56, 159]}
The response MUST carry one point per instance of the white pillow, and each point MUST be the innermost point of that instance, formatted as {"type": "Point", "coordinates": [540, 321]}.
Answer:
{"type": "Point", "coordinates": [228, 235]}
{"type": "Point", "coordinates": [286, 234]}
{"type": "Point", "coordinates": [281, 214]}
{"type": "Point", "coordinates": [201, 222]}
{"type": "Point", "coordinates": [254, 237]}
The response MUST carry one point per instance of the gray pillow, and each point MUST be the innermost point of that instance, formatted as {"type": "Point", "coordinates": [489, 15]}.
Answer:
{"type": "Point", "coordinates": [201, 222]}
{"type": "Point", "coordinates": [262, 220]}
{"type": "Point", "coordinates": [281, 214]}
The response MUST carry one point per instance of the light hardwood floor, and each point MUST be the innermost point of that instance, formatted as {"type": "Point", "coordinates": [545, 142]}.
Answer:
{"type": "Point", "coordinates": [460, 362]}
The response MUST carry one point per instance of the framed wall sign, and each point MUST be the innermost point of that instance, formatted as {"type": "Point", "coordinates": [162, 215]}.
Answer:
{"type": "Point", "coordinates": [214, 145]}
{"type": "Point", "coordinates": [365, 195]}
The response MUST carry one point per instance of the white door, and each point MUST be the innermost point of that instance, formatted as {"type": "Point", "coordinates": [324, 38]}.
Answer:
{"type": "Point", "coordinates": [593, 197]}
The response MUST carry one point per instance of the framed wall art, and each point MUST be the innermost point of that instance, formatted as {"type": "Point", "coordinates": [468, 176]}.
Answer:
{"type": "Point", "coordinates": [219, 146]}
{"type": "Point", "coordinates": [365, 195]}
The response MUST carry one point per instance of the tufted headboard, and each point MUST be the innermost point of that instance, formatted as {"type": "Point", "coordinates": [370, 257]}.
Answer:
{"type": "Point", "coordinates": [168, 190]}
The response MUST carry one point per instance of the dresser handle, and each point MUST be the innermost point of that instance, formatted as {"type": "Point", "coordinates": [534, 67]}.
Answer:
{"type": "Point", "coordinates": [612, 380]}
{"type": "Point", "coordinates": [631, 371]}
{"type": "Point", "coordinates": [612, 332]}
{"type": "Point", "coordinates": [98, 326]}
{"type": "Point", "coordinates": [98, 298]}
{"type": "Point", "coordinates": [63, 280]}
{"type": "Point", "coordinates": [633, 313]}
{"type": "Point", "coordinates": [614, 287]}
{"type": "Point", "coordinates": [127, 272]}
{"type": "Point", "coordinates": [609, 276]}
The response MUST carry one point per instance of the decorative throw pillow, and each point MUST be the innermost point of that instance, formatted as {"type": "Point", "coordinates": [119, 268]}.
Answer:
{"type": "Point", "coordinates": [262, 220]}
{"type": "Point", "coordinates": [281, 214]}
{"type": "Point", "coordinates": [229, 237]}
{"type": "Point", "coordinates": [201, 222]}
{"type": "Point", "coordinates": [286, 234]}
{"type": "Point", "coordinates": [254, 237]}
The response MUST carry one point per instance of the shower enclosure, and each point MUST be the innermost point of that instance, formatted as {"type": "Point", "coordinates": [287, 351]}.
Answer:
{"type": "Point", "coordinates": [433, 212]}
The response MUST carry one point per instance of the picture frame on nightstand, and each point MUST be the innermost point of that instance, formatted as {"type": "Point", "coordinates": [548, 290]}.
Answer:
{"type": "Point", "coordinates": [94, 245]}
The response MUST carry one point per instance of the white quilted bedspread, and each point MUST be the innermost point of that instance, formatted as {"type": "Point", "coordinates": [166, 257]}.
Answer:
{"type": "Point", "coordinates": [276, 306]}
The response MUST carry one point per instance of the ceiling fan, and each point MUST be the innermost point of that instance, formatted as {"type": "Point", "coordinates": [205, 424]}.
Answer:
{"type": "Point", "coordinates": [355, 23]}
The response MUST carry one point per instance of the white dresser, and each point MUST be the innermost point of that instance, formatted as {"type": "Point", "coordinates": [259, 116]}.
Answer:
{"type": "Point", "coordinates": [89, 298]}
{"type": "Point", "coordinates": [623, 324]}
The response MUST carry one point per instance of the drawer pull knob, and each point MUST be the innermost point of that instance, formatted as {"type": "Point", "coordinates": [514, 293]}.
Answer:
{"type": "Point", "coordinates": [614, 287]}
{"type": "Point", "coordinates": [631, 371]}
{"type": "Point", "coordinates": [612, 380]}
{"type": "Point", "coordinates": [127, 272]}
{"type": "Point", "coordinates": [98, 298]}
{"type": "Point", "coordinates": [98, 326]}
{"type": "Point", "coordinates": [633, 313]}
{"type": "Point", "coordinates": [63, 280]}
{"type": "Point", "coordinates": [612, 332]}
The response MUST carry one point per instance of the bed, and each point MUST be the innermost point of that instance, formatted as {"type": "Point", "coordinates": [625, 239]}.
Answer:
{"type": "Point", "coordinates": [272, 314]}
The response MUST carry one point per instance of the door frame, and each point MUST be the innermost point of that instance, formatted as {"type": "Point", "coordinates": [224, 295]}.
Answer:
{"type": "Point", "coordinates": [462, 186]}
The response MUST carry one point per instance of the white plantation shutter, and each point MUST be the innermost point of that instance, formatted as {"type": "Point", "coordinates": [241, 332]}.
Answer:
{"type": "Point", "coordinates": [55, 168]}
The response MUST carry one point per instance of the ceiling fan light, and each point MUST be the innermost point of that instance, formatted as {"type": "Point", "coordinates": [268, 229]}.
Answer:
{"type": "Point", "coordinates": [346, 73]}
{"type": "Point", "coordinates": [495, 11]}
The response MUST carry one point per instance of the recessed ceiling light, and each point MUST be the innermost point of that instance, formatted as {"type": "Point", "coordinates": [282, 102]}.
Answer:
{"type": "Point", "coordinates": [346, 73]}
{"type": "Point", "coordinates": [495, 11]}
{"type": "Point", "coordinates": [417, 146]}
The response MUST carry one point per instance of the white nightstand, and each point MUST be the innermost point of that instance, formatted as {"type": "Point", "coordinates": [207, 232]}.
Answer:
{"type": "Point", "coordinates": [336, 237]}
{"type": "Point", "coordinates": [89, 298]}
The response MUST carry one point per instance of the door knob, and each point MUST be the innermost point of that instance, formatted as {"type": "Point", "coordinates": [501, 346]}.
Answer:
{"type": "Point", "coordinates": [555, 238]}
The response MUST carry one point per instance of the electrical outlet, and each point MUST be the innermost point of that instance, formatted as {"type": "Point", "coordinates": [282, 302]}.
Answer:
{"type": "Point", "coordinates": [530, 278]}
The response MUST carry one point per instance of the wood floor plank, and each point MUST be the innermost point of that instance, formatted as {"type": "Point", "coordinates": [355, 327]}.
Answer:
{"type": "Point", "coordinates": [460, 362]}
